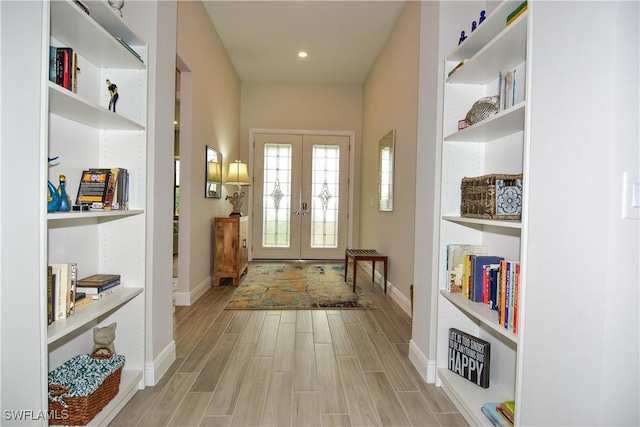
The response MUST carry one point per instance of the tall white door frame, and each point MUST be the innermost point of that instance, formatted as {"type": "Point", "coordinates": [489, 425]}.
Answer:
{"type": "Point", "coordinates": [350, 134]}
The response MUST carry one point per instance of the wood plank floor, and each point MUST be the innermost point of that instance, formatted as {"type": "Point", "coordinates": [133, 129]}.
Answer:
{"type": "Point", "coordinates": [291, 368]}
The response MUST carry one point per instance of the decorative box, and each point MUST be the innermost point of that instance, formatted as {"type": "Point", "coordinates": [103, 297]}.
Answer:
{"type": "Point", "coordinates": [494, 196]}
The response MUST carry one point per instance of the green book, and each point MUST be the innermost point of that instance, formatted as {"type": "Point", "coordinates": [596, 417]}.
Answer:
{"type": "Point", "coordinates": [517, 10]}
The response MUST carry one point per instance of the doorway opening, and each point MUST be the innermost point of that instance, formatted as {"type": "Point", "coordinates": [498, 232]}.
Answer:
{"type": "Point", "coordinates": [301, 196]}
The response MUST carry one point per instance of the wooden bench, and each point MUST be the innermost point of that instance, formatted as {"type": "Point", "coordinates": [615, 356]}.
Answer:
{"type": "Point", "coordinates": [364, 255]}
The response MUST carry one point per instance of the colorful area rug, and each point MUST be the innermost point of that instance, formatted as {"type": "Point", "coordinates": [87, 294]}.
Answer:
{"type": "Point", "coordinates": [282, 286]}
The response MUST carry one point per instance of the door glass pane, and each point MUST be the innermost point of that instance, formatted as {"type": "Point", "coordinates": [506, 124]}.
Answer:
{"type": "Point", "coordinates": [276, 197]}
{"type": "Point", "coordinates": [325, 182]}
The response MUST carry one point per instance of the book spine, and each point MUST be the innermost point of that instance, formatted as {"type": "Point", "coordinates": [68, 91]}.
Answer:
{"type": "Point", "coordinates": [105, 293]}
{"type": "Point", "coordinates": [73, 281]}
{"type": "Point", "coordinates": [53, 67]}
{"type": "Point", "coordinates": [503, 290]}
{"type": "Point", "coordinates": [74, 73]}
{"type": "Point", "coordinates": [109, 197]}
{"type": "Point", "coordinates": [512, 276]}
{"type": "Point", "coordinates": [516, 12]}
{"type": "Point", "coordinates": [472, 284]}
{"type": "Point", "coordinates": [66, 70]}
{"type": "Point", "coordinates": [516, 299]}
{"type": "Point", "coordinates": [493, 291]}
{"type": "Point", "coordinates": [490, 409]}
{"type": "Point", "coordinates": [50, 300]}
{"type": "Point", "coordinates": [486, 271]}
{"type": "Point", "coordinates": [516, 16]}
{"type": "Point", "coordinates": [465, 275]}
{"type": "Point", "coordinates": [61, 291]}
{"type": "Point", "coordinates": [93, 290]}
{"type": "Point", "coordinates": [59, 66]}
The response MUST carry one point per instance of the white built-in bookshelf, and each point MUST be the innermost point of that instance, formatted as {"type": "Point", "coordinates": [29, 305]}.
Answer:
{"type": "Point", "coordinates": [83, 133]}
{"type": "Point", "coordinates": [494, 145]}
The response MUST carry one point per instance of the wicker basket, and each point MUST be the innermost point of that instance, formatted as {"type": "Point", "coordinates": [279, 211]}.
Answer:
{"type": "Point", "coordinates": [83, 386]}
{"type": "Point", "coordinates": [495, 196]}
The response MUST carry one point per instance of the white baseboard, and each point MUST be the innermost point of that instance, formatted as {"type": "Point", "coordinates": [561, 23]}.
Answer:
{"type": "Point", "coordinates": [160, 366]}
{"type": "Point", "coordinates": [188, 298]}
{"type": "Point", "coordinates": [426, 367]}
{"type": "Point", "coordinates": [394, 293]}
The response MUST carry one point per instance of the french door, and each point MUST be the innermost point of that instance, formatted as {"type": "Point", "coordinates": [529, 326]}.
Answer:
{"type": "Point", "coordinates": [301, 196]}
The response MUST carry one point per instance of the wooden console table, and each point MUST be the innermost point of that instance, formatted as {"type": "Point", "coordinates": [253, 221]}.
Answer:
{"type": "Point", "coordinates": [230, 252]}
{"type": "Point", "coordinates": [365, 255]}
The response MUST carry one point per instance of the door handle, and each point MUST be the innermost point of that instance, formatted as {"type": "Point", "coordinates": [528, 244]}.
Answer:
{"type": "Point", "coordinates": [304, 206]}
{"type": "Point", "coordinates": [297, 213]}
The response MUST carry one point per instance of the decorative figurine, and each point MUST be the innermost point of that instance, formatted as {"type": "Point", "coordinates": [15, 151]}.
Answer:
{"type": "Point", "coordinates": [462, 37]}
{"type": "Point", "coordinates": [53, 199]}
{"type": "Point", "coordinates": [104, 337]}
{"type": "Point", "coordinates": [65, 201]}
{"type": "Point", "coordinates": [474, 25]}
{"type": "Point", "coordinates": [236, 202]}
{"type": "Point", "coordinates": [113, 94]}
{"type": "Point", "coordinates": [482, 17]}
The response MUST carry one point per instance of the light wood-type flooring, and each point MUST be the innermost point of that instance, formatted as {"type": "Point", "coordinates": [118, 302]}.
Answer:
{"type": "Point", "coordinates": [291, 368]}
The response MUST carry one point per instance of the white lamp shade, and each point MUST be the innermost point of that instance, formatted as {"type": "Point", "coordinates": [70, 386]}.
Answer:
{"type": "Point", "coordinates": [238, 174]}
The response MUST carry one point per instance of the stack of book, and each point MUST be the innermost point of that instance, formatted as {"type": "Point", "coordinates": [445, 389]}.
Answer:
{"type": "Point", "coordinates": [99, 286]}
{"type": "Point", "coordinates": [486, 279]}
{"type": "Point", "coordinates": [517, 12]}
{"type": "Point", "coordinates": [500, 414]}
{"type": "Point", "coordinates": [82, 300]}
{"type": "Point", "coordinates": [61, 290]}
{"type": "Point", "coordinates": [63, 67]}
{"type": "Point", "coordinates": [104, 189]}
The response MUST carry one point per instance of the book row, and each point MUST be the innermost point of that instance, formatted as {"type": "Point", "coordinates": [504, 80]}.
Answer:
{"type": "Point", "coordinates": [486, 279]}
{"type": "Point", "coordinates": [103, 188]}
{"type": "Point", "coordinates": [66, 293]}
{"type": "Point", "coordinates": [63, 67]}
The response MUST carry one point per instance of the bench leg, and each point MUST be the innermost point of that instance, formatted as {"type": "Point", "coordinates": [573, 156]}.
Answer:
{"type": "Point", "coordinates": [385, 275]}
{"type": "Point", "coordinates": [346, 267]}
{"type": "Point", "coordinates": [355, 270]}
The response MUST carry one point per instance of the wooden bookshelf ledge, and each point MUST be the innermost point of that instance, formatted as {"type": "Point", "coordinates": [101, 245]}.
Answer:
{"type": "Point", "coordinates": [365, 255]}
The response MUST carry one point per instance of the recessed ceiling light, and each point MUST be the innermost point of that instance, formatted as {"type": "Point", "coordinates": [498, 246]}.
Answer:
{"type": "Point", "coordinates": [302, 54]}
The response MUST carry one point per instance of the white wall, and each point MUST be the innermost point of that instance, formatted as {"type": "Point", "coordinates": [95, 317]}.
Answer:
{"type": "Point", "coordinates": [390, 101]}
{"type": "Point", "coordinates": [156, 23]}
{"type": "Point", "coordinates": [22, 201]}
{"type": "Point", "coordinates": [422, 349]}
{"type": "Point", "coordinates": [581, 318]}
{"type": "Point", "coordinates": [210, 103]}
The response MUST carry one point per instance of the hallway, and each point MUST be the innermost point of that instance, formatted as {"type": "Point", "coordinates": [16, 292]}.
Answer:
{"type": "Point", "coordinates": [291, 368]}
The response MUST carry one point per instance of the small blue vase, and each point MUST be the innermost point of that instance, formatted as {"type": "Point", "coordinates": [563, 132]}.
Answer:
{"type": "Point", "coordinates": [53, 199]}
{"type": "Point", "coordinates": [65, 201]}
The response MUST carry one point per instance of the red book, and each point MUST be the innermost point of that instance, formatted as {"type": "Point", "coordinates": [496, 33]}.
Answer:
{"type": "Point", "coordinates": [516, 297]}
{"type": "Point", "coordinates": [67, 64]}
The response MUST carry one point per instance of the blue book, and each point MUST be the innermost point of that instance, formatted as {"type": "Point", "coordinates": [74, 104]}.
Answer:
{"type": "Point", "coordinates": [490, 410]}
{"type": "Point", "coordinates": [97, 288]}
{"type": "Point", "coordinates": [478, 274]}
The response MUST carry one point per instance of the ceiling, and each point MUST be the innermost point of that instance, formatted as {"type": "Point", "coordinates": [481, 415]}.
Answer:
{"type": "Point", "coordinates": [343, 38]}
